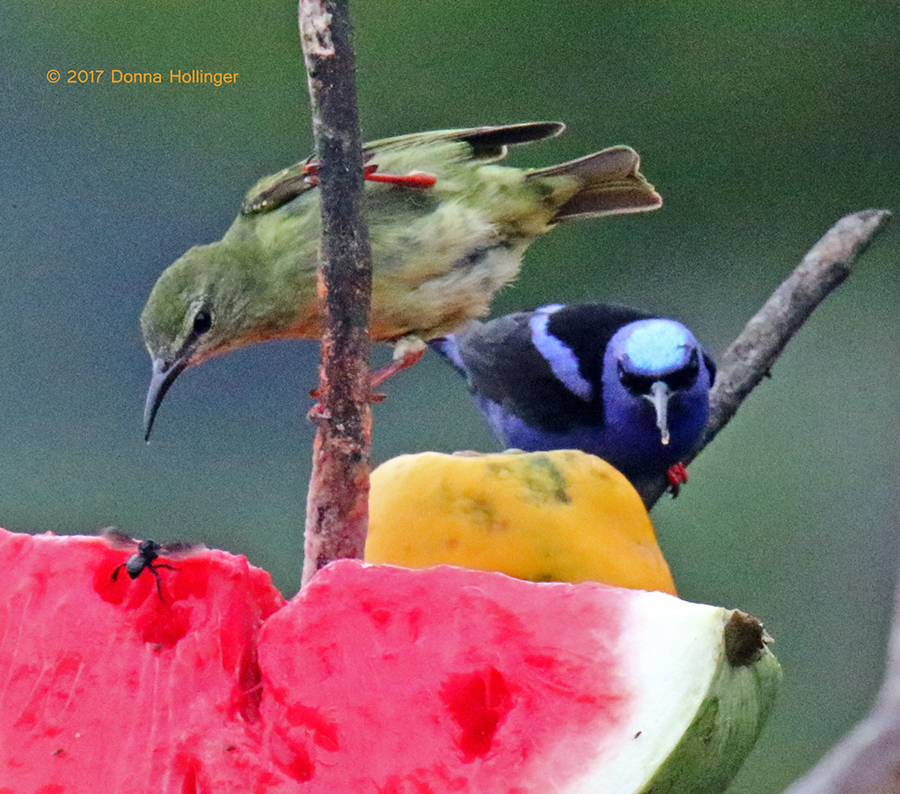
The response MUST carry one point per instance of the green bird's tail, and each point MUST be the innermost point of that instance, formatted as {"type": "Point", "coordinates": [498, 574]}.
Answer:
{"type": "Point", "coordinates": [611, 184]}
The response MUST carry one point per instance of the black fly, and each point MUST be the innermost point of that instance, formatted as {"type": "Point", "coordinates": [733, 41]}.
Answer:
{"type": "Point", "coordinates": [146, 552]}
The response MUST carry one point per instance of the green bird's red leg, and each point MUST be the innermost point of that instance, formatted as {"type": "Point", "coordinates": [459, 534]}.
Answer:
{"type": "Point", "coordinates": [417, 180]}
{"type": "Point", "coordinates": [406, 359]}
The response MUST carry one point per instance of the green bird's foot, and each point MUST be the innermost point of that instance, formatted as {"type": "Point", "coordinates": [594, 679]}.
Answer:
{"type": "Point", "coordinates": [406, 354]}
{"type": "Point", "coordinates": [417, 180]}
{"type": "Point", "coordinates": [406, 358]}
{"type": "Point", "coordinates": [318, 413]}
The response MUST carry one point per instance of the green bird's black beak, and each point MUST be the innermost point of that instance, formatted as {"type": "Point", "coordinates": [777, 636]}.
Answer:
{"type": "Point", "coordinates": [164, 374]}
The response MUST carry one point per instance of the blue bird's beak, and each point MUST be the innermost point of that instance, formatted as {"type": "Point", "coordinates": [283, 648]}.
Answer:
{"type": "Point", "coordinates": [164, 374]}
{"type": "Point", "coordinates": [659, 396]}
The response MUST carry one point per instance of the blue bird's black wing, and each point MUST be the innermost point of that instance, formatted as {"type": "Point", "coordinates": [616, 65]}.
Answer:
{"type": "Point", "coordinates": [502, 364]}
{"type": "Point", "coordinates": [494, 357]}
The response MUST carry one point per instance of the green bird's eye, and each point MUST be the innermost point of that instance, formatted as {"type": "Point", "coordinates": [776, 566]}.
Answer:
{"type": "Point", "coordinates": [202, 321]}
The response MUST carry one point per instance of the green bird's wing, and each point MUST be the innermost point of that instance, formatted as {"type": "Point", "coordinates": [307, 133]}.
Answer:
{"type": "Point", "coordinates": [276, 190]}
{"type": "Point", "coordinates": [487, 144]}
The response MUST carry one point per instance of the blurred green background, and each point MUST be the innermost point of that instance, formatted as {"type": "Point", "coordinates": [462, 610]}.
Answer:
{"type": "Point", "coordinates": [761, 123]}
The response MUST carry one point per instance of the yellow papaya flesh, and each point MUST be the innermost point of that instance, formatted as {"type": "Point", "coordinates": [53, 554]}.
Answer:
{"type": "Point", "coordinates": [562, 516]}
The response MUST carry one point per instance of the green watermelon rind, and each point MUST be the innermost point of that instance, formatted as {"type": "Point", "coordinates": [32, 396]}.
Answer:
{"type": "Point", "coordinates": [725, 728]}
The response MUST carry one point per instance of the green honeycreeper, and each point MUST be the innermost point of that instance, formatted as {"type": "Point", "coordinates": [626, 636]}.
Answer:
{"type": "Point", "coordinates": [448, 229]}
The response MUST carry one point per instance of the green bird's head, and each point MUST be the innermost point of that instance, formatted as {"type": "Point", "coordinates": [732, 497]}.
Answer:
{"type": "Point", "coordinates": [208, 302]}
{"type": "Point", "coordinates": [181, 323]}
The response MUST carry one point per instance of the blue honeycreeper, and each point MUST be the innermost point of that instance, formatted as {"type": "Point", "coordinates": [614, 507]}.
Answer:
{"type": "Point", "coordinates": [615, 382]}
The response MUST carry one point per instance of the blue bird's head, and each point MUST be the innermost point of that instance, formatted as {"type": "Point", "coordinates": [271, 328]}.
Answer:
{"type": "Point", "coordinates": [655, 360]}
{"type": "Point", "coordinates": [658, 363]}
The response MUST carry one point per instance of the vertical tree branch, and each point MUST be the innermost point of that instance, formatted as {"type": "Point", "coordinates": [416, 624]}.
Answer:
{"type": "Point", "coordinates": [337, 505]}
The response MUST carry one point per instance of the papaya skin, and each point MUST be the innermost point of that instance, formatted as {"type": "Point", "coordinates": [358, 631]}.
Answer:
{"type": "Point", "coordinates": [562, 516]}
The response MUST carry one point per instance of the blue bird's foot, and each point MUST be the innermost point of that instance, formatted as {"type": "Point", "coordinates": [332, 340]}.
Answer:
{"type": "Point", "coordinates": [677, 476]}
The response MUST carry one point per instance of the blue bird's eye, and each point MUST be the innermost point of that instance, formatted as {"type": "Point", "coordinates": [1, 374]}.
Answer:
{"type": "Point", "coordinates": [682, 379]}
{"type": "Point", "coordinates": [636, 384]}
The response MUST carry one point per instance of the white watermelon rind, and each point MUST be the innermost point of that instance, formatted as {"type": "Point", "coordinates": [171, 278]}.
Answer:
{"type": "Point", "coordinates": [698, 710]}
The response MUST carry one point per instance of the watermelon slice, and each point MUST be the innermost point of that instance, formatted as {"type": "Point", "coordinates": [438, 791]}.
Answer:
{"type": "Point", "coordinates": [106, 687]}
{"type": "Point", "coordinates": [478, 682]}
{"type": "Point", "coordinates": [374, 679]}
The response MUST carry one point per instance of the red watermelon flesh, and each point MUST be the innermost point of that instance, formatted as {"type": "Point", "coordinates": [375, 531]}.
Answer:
{"type": "Point", "coordinates": [466, 675]}
{"type": "Point", "coordinates": [105, 688]}
{"type": "Point", "coordinates": [374, 679]}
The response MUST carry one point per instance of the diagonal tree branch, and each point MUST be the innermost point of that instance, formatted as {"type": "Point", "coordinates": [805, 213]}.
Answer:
{"type": "Point", "coordinates": [750, 357]}
{"type": "Point", "coordinates": [337, 504]}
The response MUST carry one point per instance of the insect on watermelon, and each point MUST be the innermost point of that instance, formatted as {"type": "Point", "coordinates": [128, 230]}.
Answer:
{"type": "Point", "coordinates": [146, 552]}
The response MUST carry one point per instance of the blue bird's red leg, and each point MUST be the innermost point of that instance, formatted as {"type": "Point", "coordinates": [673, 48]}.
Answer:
{"type": "Point", "coordinates": [677, 476]}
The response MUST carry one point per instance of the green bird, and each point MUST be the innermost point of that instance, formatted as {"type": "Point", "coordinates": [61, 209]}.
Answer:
{"type": "Point", "coordinates": [448, 228]}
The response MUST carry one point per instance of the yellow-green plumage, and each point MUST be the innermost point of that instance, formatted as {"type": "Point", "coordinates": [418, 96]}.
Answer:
{"type": "Point", "coordinates": [438, 254]}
